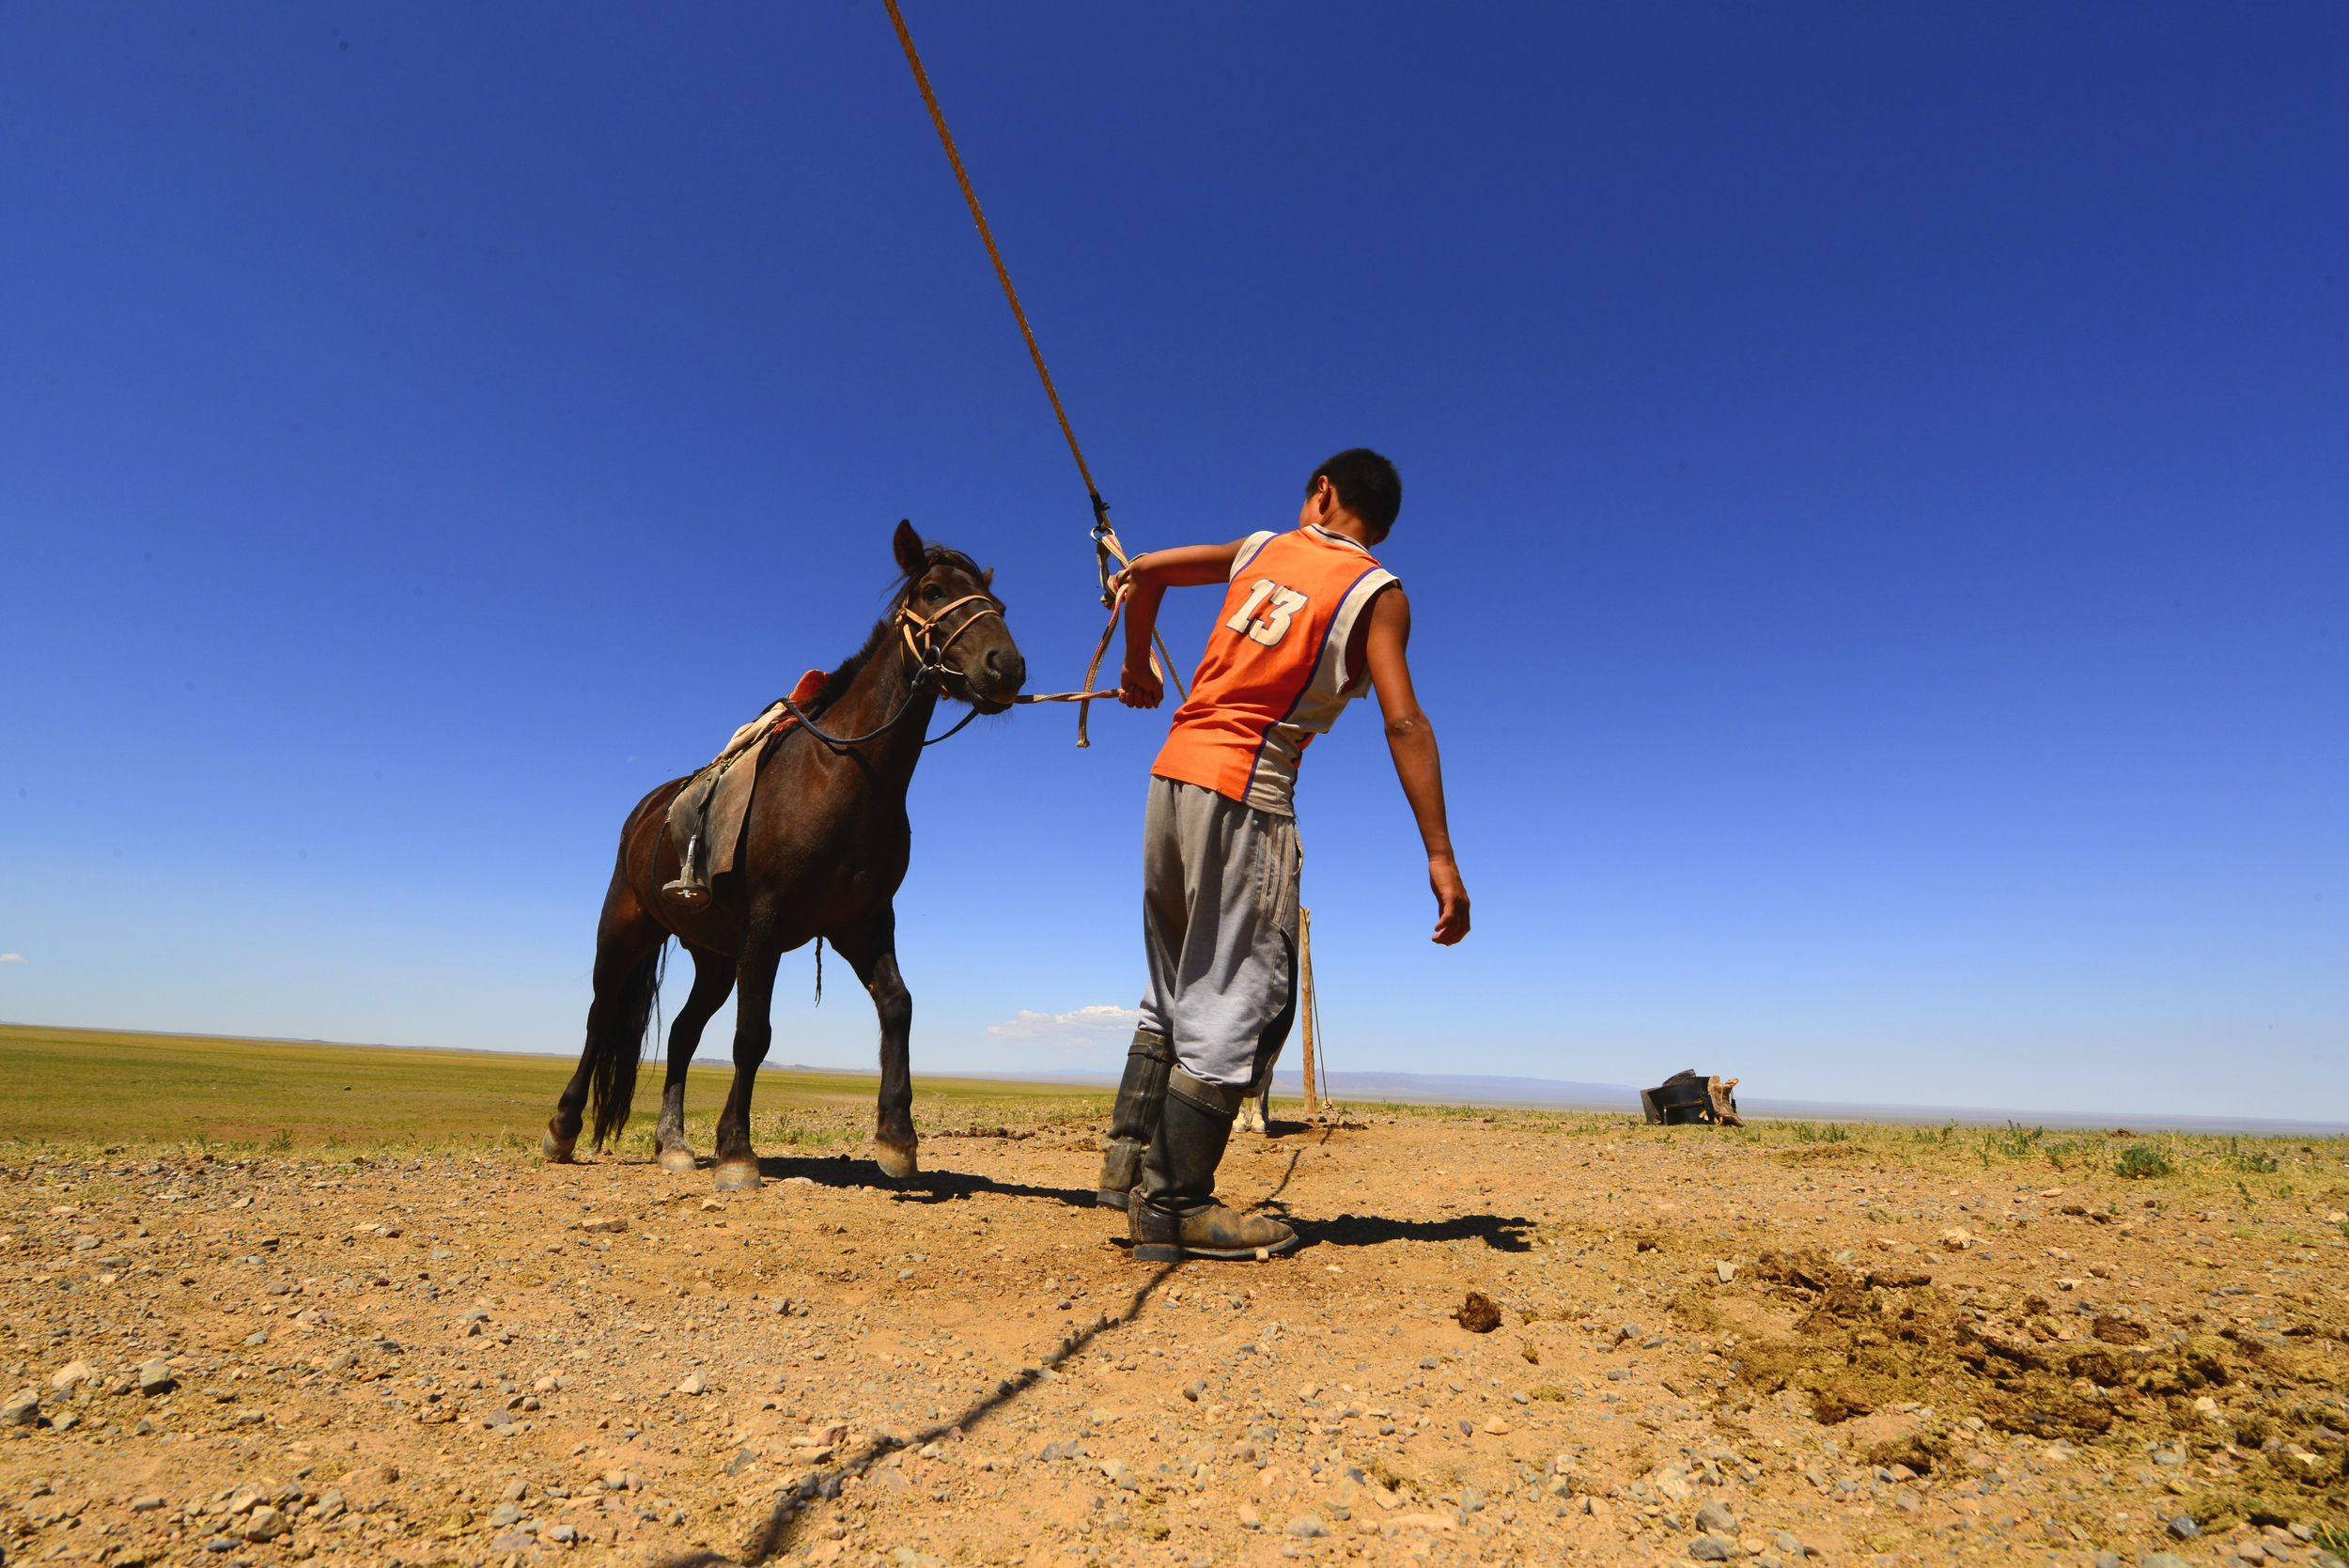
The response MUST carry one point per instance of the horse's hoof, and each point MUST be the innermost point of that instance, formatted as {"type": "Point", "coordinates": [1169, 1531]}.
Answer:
{"type": "Point", "coordinates": [895, 1162]}
{"type": "Point", "coordinates": [678, 1162]}
{"type": "Point", "coordinates": [742, 1177]}
{"type": "Point", "coordinates": [557, 1151]}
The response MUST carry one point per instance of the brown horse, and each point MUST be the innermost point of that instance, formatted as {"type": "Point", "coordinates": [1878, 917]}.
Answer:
{"type": "Point", "coordinates": [823, 852]}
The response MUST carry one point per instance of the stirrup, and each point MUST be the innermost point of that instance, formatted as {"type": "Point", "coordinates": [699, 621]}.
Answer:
{"type": "Point", "coordinates": [689, 889]}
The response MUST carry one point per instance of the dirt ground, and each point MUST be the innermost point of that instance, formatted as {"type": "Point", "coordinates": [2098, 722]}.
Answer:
{"type": "Point", "coordinates": [1848, 1346]}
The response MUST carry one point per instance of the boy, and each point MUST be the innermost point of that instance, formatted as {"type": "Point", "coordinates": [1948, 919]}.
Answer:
{"type": "Point", "coordinates": [1309, 621]}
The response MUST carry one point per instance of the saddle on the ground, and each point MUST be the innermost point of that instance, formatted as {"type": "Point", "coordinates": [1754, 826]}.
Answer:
{"type": "Point", "coordinates": [706, 818]}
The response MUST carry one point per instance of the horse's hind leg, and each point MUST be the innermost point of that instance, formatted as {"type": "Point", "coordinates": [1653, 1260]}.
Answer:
{"type": "Point", "coordinates": [754, 1032]}
{"type": "Point", "coordinates": [626, 978]}
{"type": "Point", "coordinates": [713, 977]}
{"type": "Point", "coordinates": [872, 954]}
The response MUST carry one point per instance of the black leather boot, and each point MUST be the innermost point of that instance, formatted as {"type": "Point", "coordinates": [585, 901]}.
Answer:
{"type": "Point", "coordinates": [1175, 1214]}
{"type": "Point", "coordinates": [1139, 1097]}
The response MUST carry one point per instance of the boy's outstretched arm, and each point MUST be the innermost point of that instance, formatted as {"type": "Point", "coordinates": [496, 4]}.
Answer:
{"type": "Point", "coordinates": [1412, 741]}
{"type": "Point", "coordinates": [1147, 578]}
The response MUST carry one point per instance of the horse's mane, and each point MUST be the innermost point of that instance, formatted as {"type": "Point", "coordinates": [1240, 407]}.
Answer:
{"type": "Point", "coordinates": [837, 683]}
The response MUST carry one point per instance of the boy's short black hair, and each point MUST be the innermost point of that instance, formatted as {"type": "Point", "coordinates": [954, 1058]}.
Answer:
{"type": "Point", "coordinates": [1367, 486]}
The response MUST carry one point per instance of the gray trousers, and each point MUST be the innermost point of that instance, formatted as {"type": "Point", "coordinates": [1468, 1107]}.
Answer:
{"type": "Point", "coordinates": [1218, 923]}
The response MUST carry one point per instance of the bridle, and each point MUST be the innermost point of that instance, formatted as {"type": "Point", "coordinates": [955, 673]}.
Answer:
{"type": "Point", "coordinates": [930, 664]}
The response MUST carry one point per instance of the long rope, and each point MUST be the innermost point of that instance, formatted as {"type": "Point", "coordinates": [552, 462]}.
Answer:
{"type": "Point", "coordinates": [1003, 274]}
{"type": "Point", "coordinates": [1105, 540]}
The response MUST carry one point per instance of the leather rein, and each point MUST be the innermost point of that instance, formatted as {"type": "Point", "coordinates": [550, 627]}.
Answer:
{"type": "Point", "coordinates": [930, 664]}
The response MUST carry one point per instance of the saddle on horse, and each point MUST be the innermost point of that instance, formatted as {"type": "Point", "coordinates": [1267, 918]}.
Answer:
{"type": "Point", "coordinates": [706, 818]}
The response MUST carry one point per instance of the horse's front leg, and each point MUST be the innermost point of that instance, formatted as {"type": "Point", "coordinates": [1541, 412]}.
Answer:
{"type": "Point", "coordinates": [754, 1032]}
{"type": "Point", "coordinates": [713, 977]}
{"type": "Point", "coordinates": [872, 954]}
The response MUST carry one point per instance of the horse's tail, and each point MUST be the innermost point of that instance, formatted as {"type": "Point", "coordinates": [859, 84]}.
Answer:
{"type": "Point", "coordinates": [616, 1030]}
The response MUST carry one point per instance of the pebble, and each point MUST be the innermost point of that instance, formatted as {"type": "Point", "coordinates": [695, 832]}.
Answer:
{"type": "Point", "coordinates": [22, 1409]}
{"type": "Point", "coordinates": [1708, 1548]}
{"type": "Point", "coordinates": [71, 1376]}
{"type": "Point", "coordinates": [1305, 1527]}
{"type": "Point", "coordinates": [694, 1384]}
{"type": "Point", "coordinates": [1715, 1518]}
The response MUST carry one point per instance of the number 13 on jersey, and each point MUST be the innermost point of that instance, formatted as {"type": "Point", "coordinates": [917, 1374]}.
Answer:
{"type": "Point", "coordinates": [1285, 603]}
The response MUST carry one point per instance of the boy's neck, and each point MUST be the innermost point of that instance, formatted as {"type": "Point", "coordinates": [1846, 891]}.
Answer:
{"type": "Point", "coordinates": [1339, 520]}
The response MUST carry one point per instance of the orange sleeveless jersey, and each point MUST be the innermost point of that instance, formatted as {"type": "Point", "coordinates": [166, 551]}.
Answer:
{"type": "Point", "coordinates": [1274, 673]}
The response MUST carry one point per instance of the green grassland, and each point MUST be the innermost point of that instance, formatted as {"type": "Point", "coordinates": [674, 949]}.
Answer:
{"type": "Point", "coordinates": [72, 1091]}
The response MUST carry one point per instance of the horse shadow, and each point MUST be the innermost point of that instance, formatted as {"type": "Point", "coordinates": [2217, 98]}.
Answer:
{"type": "Point", "coordinates": [843, 1172]}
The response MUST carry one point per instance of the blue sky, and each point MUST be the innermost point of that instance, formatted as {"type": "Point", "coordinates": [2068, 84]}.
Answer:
{"type": "Point", "coordinates": [1875, 511]}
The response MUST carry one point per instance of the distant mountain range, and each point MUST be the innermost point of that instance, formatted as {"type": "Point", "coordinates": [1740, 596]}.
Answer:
{"type": "Point", "coordinates": [1564, 1094]}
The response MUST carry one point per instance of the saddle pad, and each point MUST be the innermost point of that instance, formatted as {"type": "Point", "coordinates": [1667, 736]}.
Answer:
{"type": "Point", "coordinates": [718, 802]}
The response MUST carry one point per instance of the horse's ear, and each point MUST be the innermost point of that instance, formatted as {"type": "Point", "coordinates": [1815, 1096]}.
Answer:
{"type": "Point", "coordinates": [912, 558]}
{"type": "Point", "coordinates": [986, 578]}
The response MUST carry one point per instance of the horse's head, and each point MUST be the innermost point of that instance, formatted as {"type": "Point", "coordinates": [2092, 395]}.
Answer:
{"type": "Point", "coordinates": [949, 599]}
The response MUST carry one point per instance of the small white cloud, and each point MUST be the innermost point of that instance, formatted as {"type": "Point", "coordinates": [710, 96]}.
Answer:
{"type": "Point", "coordinates": [1085, 1027]}
{"type": "Point", "coordinates": [11, 957]}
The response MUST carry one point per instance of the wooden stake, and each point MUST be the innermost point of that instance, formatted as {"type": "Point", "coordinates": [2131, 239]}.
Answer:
{"type": "Point", "coordinates": [1305, 985]}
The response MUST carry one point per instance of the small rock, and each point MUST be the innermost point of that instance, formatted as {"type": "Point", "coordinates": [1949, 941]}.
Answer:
{"type": "Point", "coordinates": [1708, 1548]}
{"type": "Point", "coordinates": [562, 1535]}
{"type": "Point", "coordinates": [155, 1378]}
{"type": "Point", "coordinates": [694, 1384]}
{"type": "Point", "coordinates": [1956, 1239]}
{"type": "Point", "coordinates": [1791, 1544]}
{"type": "Point", "coordinates": [505, 1513]}
{"type": "Point", "coordinates": [1472, 1500]}
{"type": "Point", "coordinates": [72, 1375]}
{"type": "Point", "coordinates": [1725, 1270]}
{"type": "Point", "coordinates": [474, 1315]}
{"type": "Point", "coordinates": [2161, 1560]}
{"type": "Point", "coordinates": [1305, 1527]}
{"type": "Point", "coordinates": [264, 1524]}
{"type": "Point", "coordinates": [221, 1543]}
{"type": "Point", "coordinates": [22, 1409]}
{"type": "Point", "coordinates": [712, 1205]}
{"type": "Point", "coordinates": [1250, 1518]}
{"type": "Point", "coordinates": [145, 1505]}
{"type": "Point", "coordinates": [2183, 1527]}
{"type": "Point", "coordinates": [1193, 1389]}
{"type": "Point", "coordinates": [1715, 1518]}
{"type": "Point", "coordinates": [610, 1224]}
{"type": "Point", "coordinates": [1495, 1426]}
